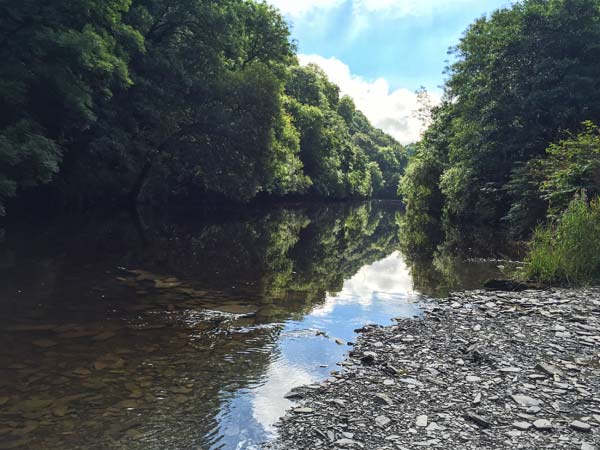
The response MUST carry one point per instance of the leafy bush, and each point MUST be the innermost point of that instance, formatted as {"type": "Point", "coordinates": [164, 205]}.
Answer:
{"type": "Point", "coordinates": [573, 165]}
{"type": "Point", "coordinates": [567, 250]}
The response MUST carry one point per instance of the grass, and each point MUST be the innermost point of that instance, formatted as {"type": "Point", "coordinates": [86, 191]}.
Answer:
{"type": "Point", "coordinates": [567, 251]}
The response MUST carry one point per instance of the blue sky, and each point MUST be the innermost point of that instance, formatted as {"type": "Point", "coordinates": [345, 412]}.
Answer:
{"type": "Point", "coordinates": [381, 51]}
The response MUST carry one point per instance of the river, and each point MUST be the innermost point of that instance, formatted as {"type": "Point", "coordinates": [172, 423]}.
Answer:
{"type": "Point", "coordinates": [177, 334]}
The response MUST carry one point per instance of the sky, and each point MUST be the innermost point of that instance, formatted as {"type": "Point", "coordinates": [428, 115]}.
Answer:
{"type": "Point", "coordinates": [381, 51]}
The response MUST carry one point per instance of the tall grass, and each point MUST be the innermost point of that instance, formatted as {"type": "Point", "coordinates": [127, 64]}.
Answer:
{"type": "Point", "coordinates": [567, 251]}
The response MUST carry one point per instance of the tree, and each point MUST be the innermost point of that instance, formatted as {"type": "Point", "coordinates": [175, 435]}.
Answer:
{"type": "Point", "coordinates": [521, 78]}
{"type": "Point", "coordinates": [156, 100]}
{"type": "Point", "coordinates": [60, 61]}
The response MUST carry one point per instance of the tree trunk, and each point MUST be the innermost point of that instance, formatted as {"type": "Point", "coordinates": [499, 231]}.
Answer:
{"type": "Point", "coordinates": [140, 182]}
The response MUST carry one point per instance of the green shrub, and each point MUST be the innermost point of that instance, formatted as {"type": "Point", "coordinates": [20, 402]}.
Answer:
{"type": "Point", "coordinates": [572, 165]}
{"type": "Point", "coordinates": [567, 250]}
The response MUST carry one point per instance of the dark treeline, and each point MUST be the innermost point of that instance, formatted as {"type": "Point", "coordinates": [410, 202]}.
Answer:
{"type": "Point", "coordinates": [514, 141]}
{"type": "Point", "coordinates": [153, 100]}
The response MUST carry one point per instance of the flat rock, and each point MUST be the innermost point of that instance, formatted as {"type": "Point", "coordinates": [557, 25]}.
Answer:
{"type": "Point", "coordinates": [580, 426]}
{"type": "Point", "coordinates": [543, 424]}
{"type": "Point", "coordinates": [548, 369]}
{"type": "Point", "coordinates": [510, 370]}
{"type": "Point", "coordinates": [303, 410]}
{"type": "Point", "coordinates": [524, 426]}
{"type": "Point", "coordinates": [293, 395]}
{"type": "Point", "coordinates": [348, 443]}
{"type": "Point", "coordinates": [525, 400]}
{"type": "Point", "coordinates": [382, 421]}
{"type": "Point", "coordinates": [479, 420]}
{"type": "Point", "coordinates": [44, 343]}
{"type": "Point", "coordinates": [384, 399]}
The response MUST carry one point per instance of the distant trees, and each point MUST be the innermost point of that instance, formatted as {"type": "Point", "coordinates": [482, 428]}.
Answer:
{"type": "Point", "coordinates": [522, 78]}
{"type": "Point", "coordinates": [155, 99]}
{"type": "Point", "coordinates": [343, 155]}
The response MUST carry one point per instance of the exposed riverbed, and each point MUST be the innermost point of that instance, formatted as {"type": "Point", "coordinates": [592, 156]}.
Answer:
{"type": "Point", "coordinates": [481, 370]}
{"type": "Point", "coordinates": [187, 334]}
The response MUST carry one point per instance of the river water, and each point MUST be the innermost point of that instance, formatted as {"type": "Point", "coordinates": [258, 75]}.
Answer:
{"type": "Point", "coordinates": [178, 334]}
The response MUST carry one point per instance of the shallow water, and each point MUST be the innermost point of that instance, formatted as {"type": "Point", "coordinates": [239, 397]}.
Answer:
{"type": "Point", "coordinates": [169, 334]}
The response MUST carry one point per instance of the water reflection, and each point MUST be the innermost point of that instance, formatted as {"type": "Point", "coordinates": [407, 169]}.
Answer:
{"type": "Point", "coordinates": [162, 333]}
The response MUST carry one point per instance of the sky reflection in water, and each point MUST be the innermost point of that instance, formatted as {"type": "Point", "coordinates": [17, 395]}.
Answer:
{"type": "Point", "coordinates": [376, 294]}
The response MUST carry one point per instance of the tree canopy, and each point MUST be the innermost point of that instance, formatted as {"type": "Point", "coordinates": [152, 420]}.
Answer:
{"type": "Point", "coordinates": [522, 78]}
{"type": "Point", "coordinates": [151, 100]}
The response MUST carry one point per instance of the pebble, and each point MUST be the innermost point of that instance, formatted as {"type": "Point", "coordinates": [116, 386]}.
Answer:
{"type": "Point", "coordinates": [384, 399]}
{"type": "Point", "coordinates": [580, 426]}
{"type": "Point", "coordinates": [422, 421]}
{"type": "Point", "coordinates": [542, 424]}
{"type": "Point", "coordinates": [525, 400]}
{"type": "Point", "coordinates": [479, 420]}
{"type": "Point", "coordinates": [522, 425]}
{"type": "Point", "coordinates": [382, 421]}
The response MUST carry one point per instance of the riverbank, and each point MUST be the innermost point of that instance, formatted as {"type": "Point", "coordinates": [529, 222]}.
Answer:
{"type": "Point", "coordinates": [493, 370]}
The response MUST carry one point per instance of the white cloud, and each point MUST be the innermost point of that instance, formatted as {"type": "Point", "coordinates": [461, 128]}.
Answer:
{"type": "Point", "coordinates": [269, 403]}
{"type": "Point", "coordinates": [396, 8]}
{"type": "Point", "coordinates": [381, 281]}
{"type": "Point", "coordinates": [296, 8]}
{"type": "Point", "coordinates": [391, 110]}
{"type": "Point", "coordinates": [401, 8]}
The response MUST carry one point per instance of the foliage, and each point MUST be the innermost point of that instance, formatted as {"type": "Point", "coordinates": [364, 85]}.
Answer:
{"type": "Point", "coordinates": [421, 226]}
{"type": "Point", "coordinates": [340, 149]}
{"type": "Point", "coordinates": [572, 166]}
{"type": "Point", "coordinates": [567, 250]}
{"type": "Point", "coordinates": [60, 60]}
{"type": "Point", "coordinates": [158, 99]}
{"type": "Point", "coordinates": [521, 78]}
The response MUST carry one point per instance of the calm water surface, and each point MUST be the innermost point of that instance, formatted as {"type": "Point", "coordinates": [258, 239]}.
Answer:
{"type": "Point", "coordinates": [170, 334]}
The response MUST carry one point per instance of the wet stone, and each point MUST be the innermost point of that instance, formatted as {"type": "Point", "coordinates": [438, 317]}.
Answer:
{"type": "Point", "coordinates": [293, 395]}
{"type": "Point", "coordinates": [44, 343]}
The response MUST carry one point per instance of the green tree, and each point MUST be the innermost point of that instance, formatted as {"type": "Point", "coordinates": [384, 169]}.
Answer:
{"type": "Point", "coordinates": [205, 111]}
{"type": "Point", "coordinates": [521, 78]}
{"type": "Point", "coordinates": [60, 61]}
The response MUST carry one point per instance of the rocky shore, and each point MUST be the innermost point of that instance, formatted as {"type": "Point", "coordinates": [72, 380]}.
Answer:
{"type": "Point", "coordinates": [480, 370]}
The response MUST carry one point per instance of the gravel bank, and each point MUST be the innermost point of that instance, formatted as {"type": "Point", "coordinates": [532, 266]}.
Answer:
{"type": "Point", "coordinates": [480, 370]}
